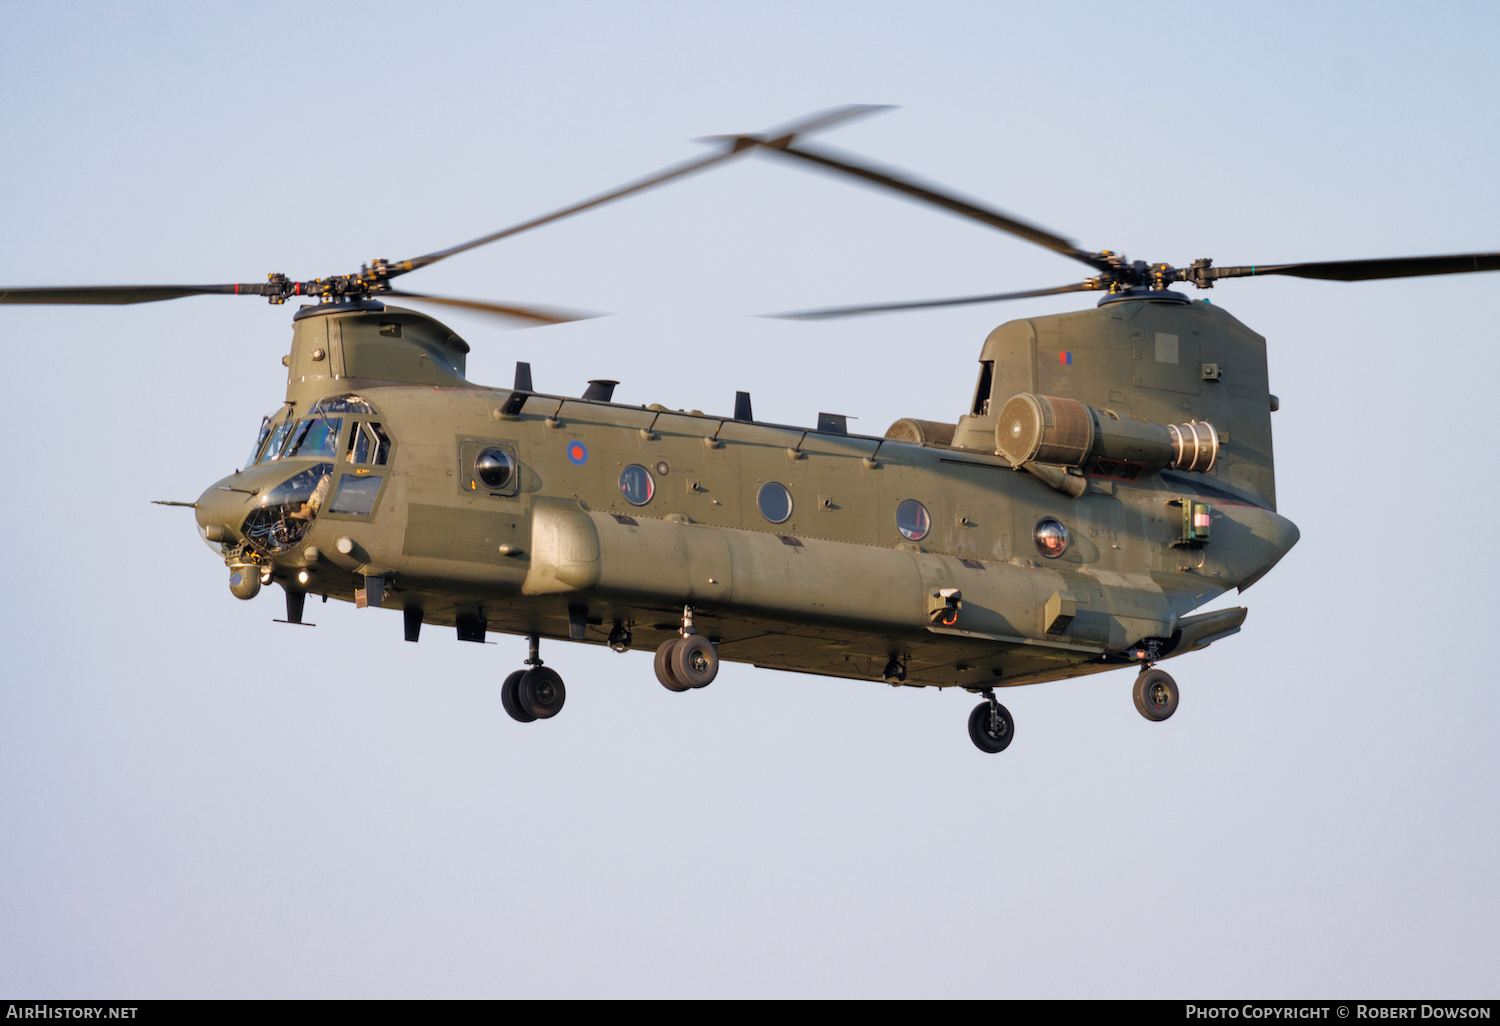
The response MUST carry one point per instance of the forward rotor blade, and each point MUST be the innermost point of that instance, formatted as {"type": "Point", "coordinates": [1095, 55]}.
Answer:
{"type": "Point", "coordinates": [1366, 270]}
{"type": "Point", "coordinates": [892, 179]}
{"type": "Point", "coordinates": [676, 171]}
{"type": "Point", "coordinates": [119, 295]}
{"type": "Point", "coordinates": [855, 311]}
{"type": "Point", "coordinates": [733, 146]}
{"type": "Point", "coordinates": [538, 315]}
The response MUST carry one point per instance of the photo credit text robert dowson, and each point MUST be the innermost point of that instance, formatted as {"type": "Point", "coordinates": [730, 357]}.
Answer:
{"type": "Point", "coordinates": [1350, 1010]}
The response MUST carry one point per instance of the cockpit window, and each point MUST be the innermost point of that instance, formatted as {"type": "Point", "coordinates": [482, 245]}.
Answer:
{"type": "Point", "coordinates": [356, 495]}
{"type": "Point", "coordinates": [359, 445]}
{"type": "Point", "coordinates": [382, 445]}
{"type": "Point", "coordinates": [340, 404]}
{"type": "Point", "coordinates": [272, 450]}
{"type": "Point", "coordinates": [367, 444]}
{"type": "Point", "coordinates": [282, 516]}
{"type": "Point", "coordinates": [318, 436]}
{"type": "Point", "coordinates": [260, 440]}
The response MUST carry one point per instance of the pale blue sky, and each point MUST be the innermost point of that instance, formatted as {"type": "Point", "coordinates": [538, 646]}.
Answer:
{"type": "Point", "coordinates": [197, 801]}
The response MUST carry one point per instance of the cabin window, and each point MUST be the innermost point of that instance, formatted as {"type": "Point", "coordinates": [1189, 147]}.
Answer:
{"type": "Point", "coordinates": [912, 520]}
{"type": "Point", "coordinates": [1051, 538]}
{"type": "Point", "coordinates": [494, 468]}
{"type": "Point", "coordinates": [637, 485]}
{"type": "Point", "coordinates": [986, 386]}
{"type": "Point", "coordinates": [775, 502]}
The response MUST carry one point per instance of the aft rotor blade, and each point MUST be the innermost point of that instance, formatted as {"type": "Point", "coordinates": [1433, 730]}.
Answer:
{"type": "Point", "coordinates": [855, 311]}
{"type": "Point", "coordinates": [734, 145]}
{"type": "Point", "coordinates": [892, 179]}
{"type": "Point", "coordinates": [119, 295]}
{"type": "Point", "coordinates": [1366, 270]}
{"type": "Point", "coordinates": [537, 315]}
{"type": "Point", "coordinates": [783, 135]}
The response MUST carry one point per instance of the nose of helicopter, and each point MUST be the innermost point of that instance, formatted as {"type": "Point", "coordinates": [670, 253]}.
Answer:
{"type": "Point", "coordinates": [222, 507]}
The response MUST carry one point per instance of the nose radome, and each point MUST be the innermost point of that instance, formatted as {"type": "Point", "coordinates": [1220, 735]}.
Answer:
{"type": "Point", "coordinates": [222, 508]}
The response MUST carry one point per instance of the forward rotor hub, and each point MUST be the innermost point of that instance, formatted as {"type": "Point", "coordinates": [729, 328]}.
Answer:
{"type": "Point", "coordinates": [372, 277]}
{"type": "Point", "coordinates": [1122, 275]}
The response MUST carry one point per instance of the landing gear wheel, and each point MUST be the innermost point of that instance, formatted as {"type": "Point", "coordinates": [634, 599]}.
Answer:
{"type": "Point", "coordinates": [988, 736]}
{"type": "Point", "coordinates": [541, 692]}
{"type": "Point", "coordinates": [1155, 695]}
{"type": "Point", "coordinates": [695, 661]}
{"type": "Point", "coordinates": [664, 672]}
{"type": "Point", "coordinates": [511, 699]}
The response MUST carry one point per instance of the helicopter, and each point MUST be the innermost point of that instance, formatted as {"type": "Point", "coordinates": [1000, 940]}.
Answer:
{"type": "Point", "coordinates": [1113, 473]}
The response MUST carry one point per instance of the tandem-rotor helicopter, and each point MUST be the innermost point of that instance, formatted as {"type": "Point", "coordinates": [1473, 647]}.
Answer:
{"type": "Point", "coordinates": [1112, 473]}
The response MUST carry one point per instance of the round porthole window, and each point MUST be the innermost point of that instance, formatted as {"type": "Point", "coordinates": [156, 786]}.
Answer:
{"type": "Point", "coordinates": [1051, 538]}
{"type": "Point", "coordinates": [775, 502]}
{"type": "Point", "coordinates": [494, 468]}
{"type": "Point", "coordinates": [912, 520]}
{"type": "Point", "coordinates": [636, 484]}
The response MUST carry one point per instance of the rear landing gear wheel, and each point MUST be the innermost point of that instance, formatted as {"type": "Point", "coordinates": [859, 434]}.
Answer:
{"type": "Point", "coordinates": [695, 662]}
{"type": "Point", "coordinates": [1155, 695]}
{"type": "Point", "coordinates": [541, 692]}
{"type": "Point", "coordinates": [664, 671]}
{"type": "Point", "coordinates": [990, 727]}
{"type": "Point", "coordinates": [511, 699]}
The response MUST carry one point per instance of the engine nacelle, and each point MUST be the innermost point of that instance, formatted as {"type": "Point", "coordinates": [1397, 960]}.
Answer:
{"type": "Point", "coordinates": [1047, 429]}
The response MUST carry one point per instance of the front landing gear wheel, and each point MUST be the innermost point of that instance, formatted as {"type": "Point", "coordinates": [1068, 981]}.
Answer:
{"type": "Point", "coordinates": [1155, 695]}
{"type": "Point", "coordinates": [695, 662]}
{"type": "Point", "coordinates": [664, 671]}
{"type": "Point", "coordinates": [991, 729]}
{"type": "Point", "coordinates": [511, 699]}
{"type": "Point", "coordinates": [541, 692]}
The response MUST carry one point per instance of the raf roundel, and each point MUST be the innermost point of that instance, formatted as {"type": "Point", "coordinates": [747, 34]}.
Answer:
{"type": "Point", "coordinates": [578, 453]}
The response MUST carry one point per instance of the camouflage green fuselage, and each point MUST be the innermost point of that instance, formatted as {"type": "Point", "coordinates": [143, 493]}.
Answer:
{"type": "Point", "coordinates": [836, 588]}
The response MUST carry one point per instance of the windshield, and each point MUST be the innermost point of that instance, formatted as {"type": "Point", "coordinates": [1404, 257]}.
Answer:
{"type": "Point", "coordinates": [317, 436]}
